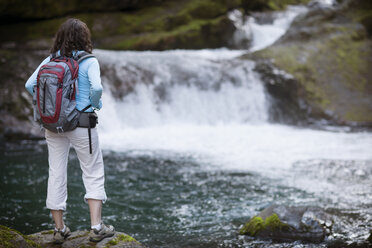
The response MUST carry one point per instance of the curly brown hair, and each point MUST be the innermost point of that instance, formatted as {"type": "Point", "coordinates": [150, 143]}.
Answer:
{"type": "Point", "coordinates": [72, 35]}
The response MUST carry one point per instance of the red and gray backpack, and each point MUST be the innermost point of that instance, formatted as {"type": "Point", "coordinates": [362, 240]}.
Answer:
{"type": "Point", "coordinates": [55, 93]}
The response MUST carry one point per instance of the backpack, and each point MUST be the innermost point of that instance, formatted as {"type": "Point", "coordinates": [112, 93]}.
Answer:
{"type": "Point", "coordinates": [54, 98]}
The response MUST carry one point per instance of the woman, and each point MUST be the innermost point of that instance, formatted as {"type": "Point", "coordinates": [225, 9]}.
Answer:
{"type": "Point", "coordinates": [72, 38]}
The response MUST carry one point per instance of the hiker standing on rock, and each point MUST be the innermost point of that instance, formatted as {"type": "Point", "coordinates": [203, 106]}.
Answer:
{"type": "Point", "coordinates": [66, 89]}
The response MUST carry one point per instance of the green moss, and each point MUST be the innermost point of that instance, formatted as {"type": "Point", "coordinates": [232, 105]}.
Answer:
{"type": "Point", "coordinates": [253, 226]}
{"type": "Point", "coordinates": [330, 69]}
{"type": "Point", "coordinates": [79, 236]}
{"type": "Point", "coordinates": [121, 238]}
{"type": "Point", "coordinates": [282, 4]}
{"type": "Point", "coordinates": [273, 222]}
{"type": "Point", "coordinates": [48, 232]}
{"type": "Point", "coordinates": [189, 35]}
{"type": "Point", "coordinates": [205, 9]}
{"type": "Point", "coordinates": [7, 236]}
{"type": "Point", "coordinates": [87, 246]}
{"type": "Point", "coordinates": [257, 224]}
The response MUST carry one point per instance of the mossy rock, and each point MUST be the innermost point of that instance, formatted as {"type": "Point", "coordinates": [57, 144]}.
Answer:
{"type": "Point", "coordinates": [257, 225]}
{"type": "Point", "coordinates": [269, 5]}
{"type": "Point", "coordinates": [284, 223]}
{"type": "Point", "coordinates": [329, 56]}
{"type": "Point", "coordinates": [80, 239]}
{"type": "Point", "coordinates": [196, 34]}
{"type": "Point", "coordinates": [10, 238]}
{"type": "Point", "coordinates": [122, 239]}
{"type": "Point", "coordinates": [15, 102]}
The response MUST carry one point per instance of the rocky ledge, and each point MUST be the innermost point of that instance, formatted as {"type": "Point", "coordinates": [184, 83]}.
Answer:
{"type": "Point", "coordinates": [281, 223]}
{"type": "Point", "coordinates": [320, 69]}
{"type": "Point", "coordinates": [10, 238]}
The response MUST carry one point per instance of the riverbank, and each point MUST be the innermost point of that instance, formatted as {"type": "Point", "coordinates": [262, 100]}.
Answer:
{"type": "Point", "coordinates": [320, 69]}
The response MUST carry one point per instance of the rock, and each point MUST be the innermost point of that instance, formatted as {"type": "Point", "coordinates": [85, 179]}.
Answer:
{"type": "Point", "coordinates": [283, 223]}
{"type": "Point", "coordinates": [285, 104]}
{"type": "Point", "coordinates": [128, 24]}
{"type": "Point", "coordinates": [81, 239]}
{"type": "Point", "coordinates": [13, 239]}
{"type": "Point", "coordinates": [344, 244]}
{"type": "Point", "coordinates": [15, 103]}
{"type": "Point", "coordinates": [10, 238]}
{"type": "Point", "coordinates": [328, 53]}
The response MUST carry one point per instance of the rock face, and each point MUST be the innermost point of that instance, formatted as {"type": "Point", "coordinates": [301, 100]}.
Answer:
{"type": "Point", "coordinates": [328, 53]}
{"type": "Point", "coordinates": [283, 223]}
{"type": "Point", "coordinates": [13, 239]}
{"type": "Point", "coordinates": [128, 24]}
{"type": "Point", "coordinates": [15, 103]}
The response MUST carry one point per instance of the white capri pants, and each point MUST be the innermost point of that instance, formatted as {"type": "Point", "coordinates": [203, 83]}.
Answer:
{"type": "Point", "coordinates": [91, 165]}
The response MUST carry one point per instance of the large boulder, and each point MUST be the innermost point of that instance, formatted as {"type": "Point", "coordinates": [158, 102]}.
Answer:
{"type": "Point", "coordinates": [15, 103]}
{"type": "Point", "coordinates": [284, 223]}
{"type": "Point", "coordinates": [11, 238]}
{"type": "Point", "coordinates": [328, 54]}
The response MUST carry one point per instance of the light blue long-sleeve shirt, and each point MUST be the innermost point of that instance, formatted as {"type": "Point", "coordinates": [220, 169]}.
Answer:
{"type": "Point", "coordinates": [89, 83]}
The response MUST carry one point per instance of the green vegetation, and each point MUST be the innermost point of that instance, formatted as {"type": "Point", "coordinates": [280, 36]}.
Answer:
{"type": "Point", "coordinates": [79, 236]}
{"type": "Point", "coordinates": [121, 238]}
{"type": "Point", "coordinates": [171, 24]}
{"type": "Point", "coordinates": [333, 69]}
{"type": "Point", "coordinates": [8, 238]}
{"type": "Point", "coordinates": [257, 224]}
{"type": "Point", "coordinates": [48, 232]}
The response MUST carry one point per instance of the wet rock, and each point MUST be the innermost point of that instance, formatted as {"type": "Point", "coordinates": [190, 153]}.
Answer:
{"type": "Point", "coordinates": [283, 223]}
{"type": "Point", "coordinates": [344, 244]}
{"type": "Point", "coordinates": [328, 53]}
{"type": "Point", "coordinates": [285, 105]}
{"type": "Point", "coordinates": [15, 103]}
{"type": "Point", "coordinates": [81, 239]}
{"type": "Point", "coordinates": [14, 239]}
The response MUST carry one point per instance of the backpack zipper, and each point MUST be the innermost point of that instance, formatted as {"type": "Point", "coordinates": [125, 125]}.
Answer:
{"type": "Point", "coordinates": [44, 98]}
{"type": "Point", "coordinates": [51, 68]}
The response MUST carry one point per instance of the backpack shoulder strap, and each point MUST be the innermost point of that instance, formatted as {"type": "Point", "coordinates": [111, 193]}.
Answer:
{"type": "Point", "coordinates": [82, 56]}
{"type": "Point", "coordinates": [53, 56]}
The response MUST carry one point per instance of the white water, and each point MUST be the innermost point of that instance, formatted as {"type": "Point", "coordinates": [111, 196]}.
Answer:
{"type": "Point", "coordinates": [264, 35]}
{"type": "Point", "coordinates": [185, 87]}
{"type": "Point", "coordinates": [213, 107]}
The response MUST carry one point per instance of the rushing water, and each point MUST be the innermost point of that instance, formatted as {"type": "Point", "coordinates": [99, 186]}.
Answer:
{"type": "Point", "coordinates": [190, 156]}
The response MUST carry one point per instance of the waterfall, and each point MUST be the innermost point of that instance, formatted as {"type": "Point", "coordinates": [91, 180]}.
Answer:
{"type": "Point", "coordinates": [199, 87]}
{"type": "Point", "coordinates": [195, 87]}
{"type": "Point", "coordinates": [264, 30]}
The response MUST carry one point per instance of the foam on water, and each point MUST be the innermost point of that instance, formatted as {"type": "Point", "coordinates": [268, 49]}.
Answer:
{"type": "Point", "coordinates": [244, 146]}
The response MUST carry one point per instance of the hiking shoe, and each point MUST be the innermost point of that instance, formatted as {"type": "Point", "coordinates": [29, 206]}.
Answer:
{"type": "Point", "coordinates": [106, 231]}
{"type": "Point", "coordinates": [59, 237]}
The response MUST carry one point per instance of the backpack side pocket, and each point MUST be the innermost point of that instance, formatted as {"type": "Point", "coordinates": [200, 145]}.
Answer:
{"type": "Point", "coordinates": [34, 105]}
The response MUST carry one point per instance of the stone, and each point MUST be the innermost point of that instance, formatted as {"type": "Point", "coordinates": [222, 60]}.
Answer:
{"type": "Point", "coordinates": [328, 53]}
{"type": "Point", "coordinates": [284, 223]}
{"type": "Point", "coordinates": [80, 239]}
{"type": "Point", "coordinates": [10, 238]}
